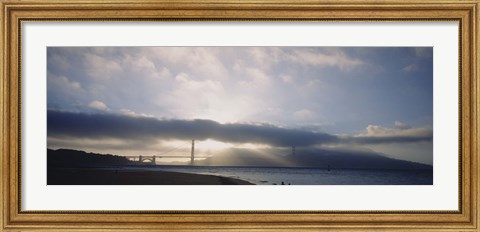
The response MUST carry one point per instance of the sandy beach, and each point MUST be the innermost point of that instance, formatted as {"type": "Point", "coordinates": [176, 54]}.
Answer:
{"type": "Point", "coordinates": [110, 176]}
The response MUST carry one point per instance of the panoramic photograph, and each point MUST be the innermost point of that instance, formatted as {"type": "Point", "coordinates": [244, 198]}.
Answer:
{"type": "Point", "coordinates": [239, 115]}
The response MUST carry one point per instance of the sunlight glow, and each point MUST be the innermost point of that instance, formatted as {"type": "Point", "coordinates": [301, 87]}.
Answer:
{"type": "Point", "coordinates": [212, 145]}
{"type": "Point", "coordinates": [252, 146]}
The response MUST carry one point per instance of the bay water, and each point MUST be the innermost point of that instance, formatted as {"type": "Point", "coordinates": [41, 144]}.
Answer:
{"type": "Point", "coordinates": [309, 176]}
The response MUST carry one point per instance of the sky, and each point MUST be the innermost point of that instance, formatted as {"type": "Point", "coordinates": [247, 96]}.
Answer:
{"type": "Point", "coordinates": [147, 100]}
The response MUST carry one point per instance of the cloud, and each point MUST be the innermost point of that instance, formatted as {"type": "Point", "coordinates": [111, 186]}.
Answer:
{"type": "Point", "coordinates": [255, 78]}
{"type": "Point", "coordinates": [131, 113]}
{"type": "Point", "coordinates": [62, 83]}
{"type": "Point", "coordinates": [334, 57]}
{"type": "Point", "coordinates": [422, 52]}
{"type": "Point", "coordinates": [402, 133]}
{"type": "Point", "coordinates": [188, 84]}
{"type": "Point", "coordinates": [110, 126]}
{"type": "Point", "coordinates": [171, 82]}
{"type": "Point", "coordinates": [401, 125]}
{"type": "Point", "coordinates": [304, 115]}
{"type": "Point", "coordinates": [59, 62]}
{"type": "Point", "coordinates": [61, 92]}
{"type": "Point", "coordinates": [265, 57]}
{"type": "Point", "coordinates": [206, 62]}
{"type": "Point", "coordinates": [101, 67]}
{"type": "Point", "coordinates": [410, 68]}
{"type": "Point", "coordinates": [191, 96]}
{"type": "Point", "coordinates": [286, 78]}
{"type": "Point", "coordinates": [143, 66]}
{"type": "Point", "coordinates": [80, 125]}
{"type": "Point", "coordinates": [399, 130]}
{"type": "Point", "coordinates": [98, 105]}
{"type": "Point", "coordinates": [205, 82]}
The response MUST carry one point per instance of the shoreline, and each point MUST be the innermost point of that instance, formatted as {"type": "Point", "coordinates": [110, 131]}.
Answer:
{"type": "Point", "coordinates": [113, 176]}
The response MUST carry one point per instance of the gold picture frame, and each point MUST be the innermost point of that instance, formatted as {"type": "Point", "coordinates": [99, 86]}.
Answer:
{"type": "Point", "coordinates": [15, 12]}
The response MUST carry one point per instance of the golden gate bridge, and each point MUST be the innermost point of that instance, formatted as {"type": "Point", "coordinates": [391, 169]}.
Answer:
{"type": "Point", "coordinates": [153, 158]}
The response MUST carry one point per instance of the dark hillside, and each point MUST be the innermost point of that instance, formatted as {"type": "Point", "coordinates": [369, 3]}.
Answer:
{"type": "Point", "coordinates": [72, 158]}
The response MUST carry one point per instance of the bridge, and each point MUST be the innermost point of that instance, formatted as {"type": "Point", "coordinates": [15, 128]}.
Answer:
{"type": "Point", "coordinates": [153, 158]}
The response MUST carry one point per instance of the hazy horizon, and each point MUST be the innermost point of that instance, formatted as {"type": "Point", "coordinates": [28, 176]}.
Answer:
{"type": "Point", "coordinates": [152, 100]}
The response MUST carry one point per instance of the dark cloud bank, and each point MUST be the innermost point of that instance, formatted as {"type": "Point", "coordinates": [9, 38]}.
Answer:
{"type": "Point", "coordinates": [98, 126]}
{"type": "Point", "coordinates": [126, 128]}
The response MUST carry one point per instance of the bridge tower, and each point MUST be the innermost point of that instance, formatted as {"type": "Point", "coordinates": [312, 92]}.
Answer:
{"type": "Point", "coordinates": [293, 150]}
{"type": "Point", "coordinates": [140, 159]}
{"type": "Point", "coordinates": [192, 154]}
{"type": "Point", "coordinates": [153, 160]}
